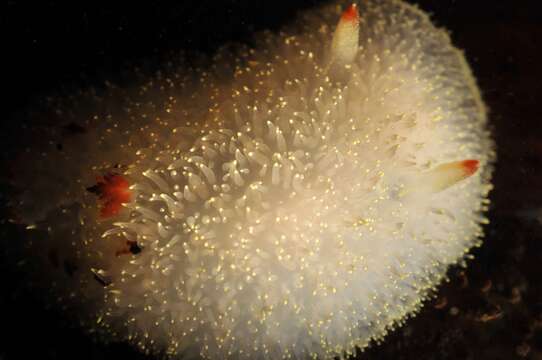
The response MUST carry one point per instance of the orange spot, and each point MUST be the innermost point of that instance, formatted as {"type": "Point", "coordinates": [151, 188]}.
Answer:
{"type": "Point", "coordinates": [442, 302]}
{"type": "Point", "coordinates": [113, 191]}
{"type": "Point", "coordinates": [128, 249]}
{"type": "Point", "coordinates": [470, 166]}
{"type": "Point", "coordinates": [351, 14]}
{"type": "Point", "coordinates": [123, 251]}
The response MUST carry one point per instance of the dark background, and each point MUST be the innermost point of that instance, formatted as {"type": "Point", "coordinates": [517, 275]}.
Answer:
{"type": "Point", "coordinates": [492, 310]}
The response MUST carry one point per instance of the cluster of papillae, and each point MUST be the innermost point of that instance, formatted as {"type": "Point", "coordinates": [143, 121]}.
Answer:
{"type": "Point", "coordinates": [306, 205]}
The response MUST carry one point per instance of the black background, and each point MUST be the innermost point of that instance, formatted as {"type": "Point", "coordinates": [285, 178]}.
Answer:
{"type": "Point", "coordinates": [51, 47]}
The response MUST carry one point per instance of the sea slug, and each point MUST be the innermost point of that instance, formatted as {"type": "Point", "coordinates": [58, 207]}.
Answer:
{"type": "Point", "coordinates": [295, 200]}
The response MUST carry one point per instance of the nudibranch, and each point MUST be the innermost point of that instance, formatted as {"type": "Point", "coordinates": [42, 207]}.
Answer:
{"type": "Point", "coordinates": [299, 199]}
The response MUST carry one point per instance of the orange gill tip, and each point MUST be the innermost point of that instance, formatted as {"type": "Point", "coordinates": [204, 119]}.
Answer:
{"type": "Point", "coordinates": [112, 191]}
{"type": "Point", "coordinates": [351, 14]}
{"type": "Point", "coordinates": [345, 42]}
{"type": "Point", "coordinates": [470, 166]}
{"type": "Point", "coordinates": [448, 174]}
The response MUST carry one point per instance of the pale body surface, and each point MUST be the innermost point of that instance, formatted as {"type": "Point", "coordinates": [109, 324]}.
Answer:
{"type": "Point", "coordinates": [298, 200]}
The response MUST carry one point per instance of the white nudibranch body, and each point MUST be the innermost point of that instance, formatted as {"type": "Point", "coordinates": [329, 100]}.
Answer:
{"type": "Point", "coordinates": [298, 200]}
